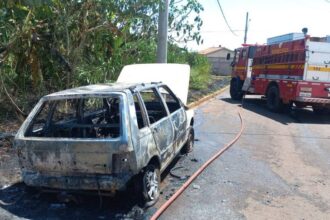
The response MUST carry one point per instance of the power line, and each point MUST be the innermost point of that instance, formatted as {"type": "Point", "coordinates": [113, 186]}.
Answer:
{"type": "Point", "coordinates": [224, 17]}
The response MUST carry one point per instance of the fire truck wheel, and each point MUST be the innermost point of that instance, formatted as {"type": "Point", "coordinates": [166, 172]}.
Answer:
{"type": "Point", "coordinates": [274, 102]}
{"type": "Point", "coordinates": [236, 92]}
{"type": "Point", "coordinates": [300, 105]}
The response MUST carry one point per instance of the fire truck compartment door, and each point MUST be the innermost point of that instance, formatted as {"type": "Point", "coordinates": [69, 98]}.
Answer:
{"type": "Point", "coordinates": [247, 82]}
{"type": "Point", "coordinates": [318, 63]}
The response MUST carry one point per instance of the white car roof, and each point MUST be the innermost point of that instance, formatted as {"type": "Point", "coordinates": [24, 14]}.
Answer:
{"type": "Point", "coordinates": [175, 76]}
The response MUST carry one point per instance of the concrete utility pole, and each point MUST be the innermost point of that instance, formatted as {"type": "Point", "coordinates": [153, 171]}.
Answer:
{"type": "Point", "coordinates": [162, 32]}
{"type": "Point", "coordinates": [246, 26]}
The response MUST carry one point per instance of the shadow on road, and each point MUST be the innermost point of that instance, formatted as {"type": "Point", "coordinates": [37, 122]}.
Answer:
{"type": "Point", "coordinates": [293, 115]}
{"type": "Point", "coordinates": [22, 201]}
{"type": "Point", "coordinates": [25, 203]}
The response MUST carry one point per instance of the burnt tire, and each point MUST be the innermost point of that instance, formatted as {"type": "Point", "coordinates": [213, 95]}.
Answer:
{"type": "Point", "coordinates": [274, 101]}
{"type": "Point", "coordinates": [189, 145]}
{"type": "Point", "coordinates": [150, 185]}
{"type": "Point", "coordinates": [235, 91]}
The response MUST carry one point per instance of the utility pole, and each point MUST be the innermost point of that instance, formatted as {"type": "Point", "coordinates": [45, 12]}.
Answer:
{"type": "Point", "coordinates": [246, 26]}
{"type": "Point", "coordinates": [162, 32]}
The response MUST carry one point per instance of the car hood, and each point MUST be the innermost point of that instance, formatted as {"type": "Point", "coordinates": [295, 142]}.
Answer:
{"type": "Point", "coordinates": [175, 76]}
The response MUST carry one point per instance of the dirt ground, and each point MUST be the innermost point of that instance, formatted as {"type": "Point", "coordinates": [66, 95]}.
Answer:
{"type": "Point", "coordinates": [9, 169]}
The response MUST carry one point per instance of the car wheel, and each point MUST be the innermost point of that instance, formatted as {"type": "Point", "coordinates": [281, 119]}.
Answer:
{"type": "Point", "coordinates": [150, 185]}
{"type": "Point", "coordinates": [236, 92]}
{"type": "Point", "coordinates": [189, 145]}
{"type": "Point", "coordinates": [274, 102]}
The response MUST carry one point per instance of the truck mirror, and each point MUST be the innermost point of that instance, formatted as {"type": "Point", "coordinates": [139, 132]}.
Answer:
{"type": "Point", "coordinates": [228, 56]}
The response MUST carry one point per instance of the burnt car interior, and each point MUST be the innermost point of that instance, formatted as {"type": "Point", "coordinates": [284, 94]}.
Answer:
{"type": "Point", "coordinates": [90, 117]}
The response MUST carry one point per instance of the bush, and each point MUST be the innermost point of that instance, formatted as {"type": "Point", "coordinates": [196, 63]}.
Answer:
{"type": "Point", "coordinates": [199, 76]}
{"type": "Point", "coordinates": [199, 64]}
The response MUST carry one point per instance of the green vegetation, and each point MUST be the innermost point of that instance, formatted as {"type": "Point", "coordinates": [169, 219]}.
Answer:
{"type": "Point", "coordinates": [200, 67]}
{"type": "Point", "coordinates": [199, 77]}
{"type": "Point", "coordinates": [200, 72]}
{"type": "Point", "coordinates": [50, 45]}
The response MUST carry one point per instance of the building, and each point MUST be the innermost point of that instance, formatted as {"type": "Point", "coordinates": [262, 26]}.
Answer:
{"type": "Point", "coordinates": [217, 56]}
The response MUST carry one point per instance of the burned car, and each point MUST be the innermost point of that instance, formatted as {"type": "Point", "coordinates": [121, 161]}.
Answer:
{"type": "Point", "coordinates": [102, 137]}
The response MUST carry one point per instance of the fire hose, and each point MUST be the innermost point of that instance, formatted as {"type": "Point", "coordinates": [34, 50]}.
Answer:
{"type": "Point", "coordinates": [160, 211]}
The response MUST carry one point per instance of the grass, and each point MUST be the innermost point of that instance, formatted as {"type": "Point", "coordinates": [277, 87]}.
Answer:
{"type": "Point", "coordinates": [199, 77]}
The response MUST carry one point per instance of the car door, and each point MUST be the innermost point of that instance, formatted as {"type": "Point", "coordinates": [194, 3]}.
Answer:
{"type": "Point", "coordinates": [160, 123]}
{"type": "Point", "coordinates": [177, 115]}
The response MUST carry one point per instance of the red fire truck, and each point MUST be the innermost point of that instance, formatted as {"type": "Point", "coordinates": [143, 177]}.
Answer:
{"type": "Point", "coordinates": [285, 71]}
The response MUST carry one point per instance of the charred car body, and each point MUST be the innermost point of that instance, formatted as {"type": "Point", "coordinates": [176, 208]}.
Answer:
{"type": "Point", "coordinates": [100, 137]}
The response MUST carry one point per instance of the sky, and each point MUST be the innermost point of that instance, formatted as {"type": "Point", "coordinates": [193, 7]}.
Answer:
{"type": "Point", "coordinates": [267, 19]}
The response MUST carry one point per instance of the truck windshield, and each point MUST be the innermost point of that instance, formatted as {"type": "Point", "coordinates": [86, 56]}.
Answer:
{"type": "Point", "coordinates": [235, 58]}
{"type": "Point", "coordinates": [252, 51]}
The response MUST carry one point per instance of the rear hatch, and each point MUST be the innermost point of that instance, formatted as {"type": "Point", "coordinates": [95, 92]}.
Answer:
{"type": "Point", "coordinates": [73, 136]}
{"type": "Point", "coordinates": [67, 157]}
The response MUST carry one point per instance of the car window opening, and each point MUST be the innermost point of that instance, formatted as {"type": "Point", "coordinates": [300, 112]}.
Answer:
{"type": "Point", "coordinates": [91, 117]}
{"type": "Point", "coordinates": [154, 106]}
{"type": "Point", "coordinates": [139, 115]}
{"type": "Point", "coordinates": [171, 101]}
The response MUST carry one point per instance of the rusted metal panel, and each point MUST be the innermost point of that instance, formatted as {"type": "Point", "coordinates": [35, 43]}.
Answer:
{"type": "Point", "coordinates": [109, 183]}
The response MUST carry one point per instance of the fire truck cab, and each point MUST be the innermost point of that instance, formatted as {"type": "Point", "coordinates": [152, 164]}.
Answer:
{"type": "Point", "coordinates": [290, 69]}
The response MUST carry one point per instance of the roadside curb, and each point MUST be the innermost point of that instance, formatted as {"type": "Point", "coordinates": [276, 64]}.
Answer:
{"type": "Point", "coordinates": [208, 97]}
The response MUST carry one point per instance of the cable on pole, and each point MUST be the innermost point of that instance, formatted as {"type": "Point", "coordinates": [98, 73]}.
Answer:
{"type": "Point", "coordinates": [224, 17]}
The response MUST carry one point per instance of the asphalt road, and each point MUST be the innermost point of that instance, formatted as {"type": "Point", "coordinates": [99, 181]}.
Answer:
{"type": "Point", "coordinates": [279, 169]}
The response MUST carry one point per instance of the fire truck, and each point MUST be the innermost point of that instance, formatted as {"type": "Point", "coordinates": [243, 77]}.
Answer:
{"type": "Point", "coordinates": [289, 69]}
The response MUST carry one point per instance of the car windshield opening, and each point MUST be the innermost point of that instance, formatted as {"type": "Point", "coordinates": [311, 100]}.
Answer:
{"type": "Point", "coordinates": [88, 117]}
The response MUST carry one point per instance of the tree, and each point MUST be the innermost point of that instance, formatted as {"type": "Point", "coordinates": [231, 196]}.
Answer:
{"type": "Point", "coordinates": [185, 21]}
{"type": "Point", "coordinates": [48, 45]}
